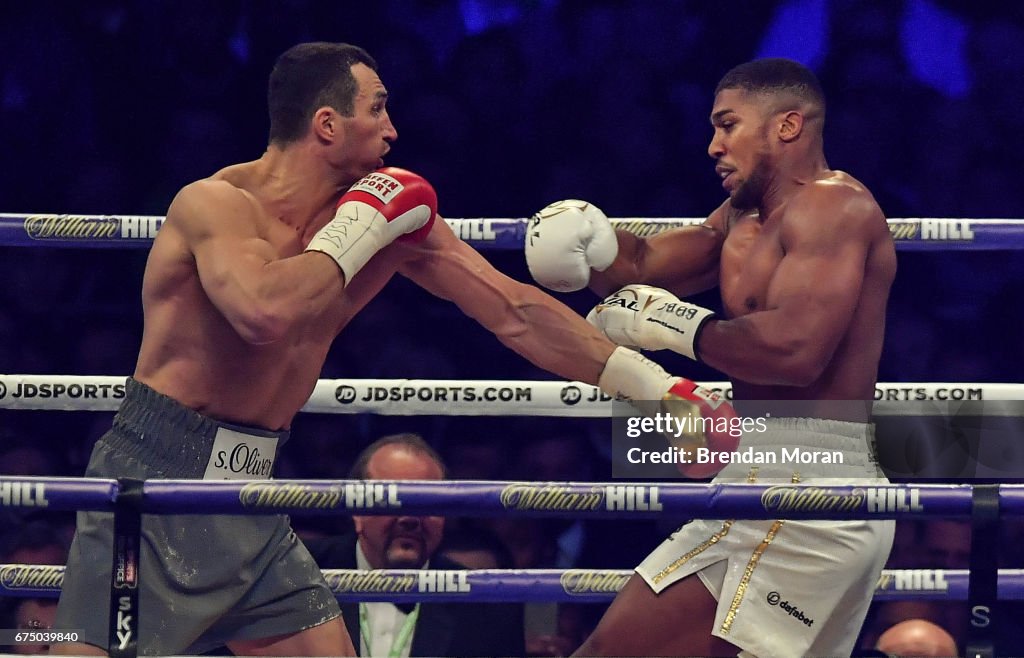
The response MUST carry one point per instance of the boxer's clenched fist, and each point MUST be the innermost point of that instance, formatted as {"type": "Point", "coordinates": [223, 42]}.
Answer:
{"type": "Point", "coordinates": [650, 318]}
{"type": "Point", "coordinates": [565, 240]}
{"type": "Point", "coordinates": [706, 417]}
{"type": "Point", "coordinates": [383, 206]}
{"type": "Point", "coordinates": [710, 422]}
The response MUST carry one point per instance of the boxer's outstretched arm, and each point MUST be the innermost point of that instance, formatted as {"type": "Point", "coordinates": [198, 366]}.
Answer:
{"type": "Point", "coordinates": [812, 297]}
{"type": "Point", "coordinates": [526, 319]}
{"type": "Point", "coordinates": [683, 260]}
{"type": "Point", "coordinates": [260, 294]}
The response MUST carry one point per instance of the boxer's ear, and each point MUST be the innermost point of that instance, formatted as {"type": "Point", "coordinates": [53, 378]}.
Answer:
{"type": "Point", "coordinates": [326, 125]}
{"type": "Point", "coordinates": [791, 124]}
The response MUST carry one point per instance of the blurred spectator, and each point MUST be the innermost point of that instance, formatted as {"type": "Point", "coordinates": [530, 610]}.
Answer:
{"type": "Point", "coordinates": [947, 544]}
{"type": "Point", "coordinates": [475, 546]}
{"type": "Point", "coordinates": [917, 637]}
{"type": "Point", "coordinates": [29, 614]}
{"type": "Point", "coordinates": [554, 451]}
{"type": "Point", "coordinates": [22, 457]}
{"type": "Point", "coordinates": [940, 544]}
{"type": "Point", "coordinates": [906, 546]}
{"type": "Point", "coordinates": [33, 542]}
{"type": "Point", "coordinates": [411, 542]}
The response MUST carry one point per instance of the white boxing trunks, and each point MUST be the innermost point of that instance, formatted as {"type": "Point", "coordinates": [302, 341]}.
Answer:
{"type": "Point", "coordinates": [787, 588]}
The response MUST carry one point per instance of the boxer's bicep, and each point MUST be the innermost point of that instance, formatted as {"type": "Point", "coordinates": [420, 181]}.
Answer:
{"type": "Point", "coordinates": [816, 288]}
{"type": "Point", "coordinates": [241, 273]}
{"type": "Point", "coordinates": [818, 283]}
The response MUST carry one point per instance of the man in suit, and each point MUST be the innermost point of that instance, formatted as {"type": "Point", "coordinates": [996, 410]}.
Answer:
{"type": "Point", "coordinates": [410, 542]}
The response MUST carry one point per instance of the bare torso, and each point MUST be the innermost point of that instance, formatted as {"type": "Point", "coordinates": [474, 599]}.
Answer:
{"type": "Point", "coordinates": [239, 318]}
{"type": "Point", "coordinates": [192, 353]}
{"type": "Point", "coordinates": [750, 258]}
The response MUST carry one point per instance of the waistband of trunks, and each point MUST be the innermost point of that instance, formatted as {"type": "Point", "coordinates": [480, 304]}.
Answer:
{"type": "Point", "coordinates": [813, 447]}
{"type": "Point", "coordinates": [168, 436]}
{"type": "Point", "coordinates": [839, 434]}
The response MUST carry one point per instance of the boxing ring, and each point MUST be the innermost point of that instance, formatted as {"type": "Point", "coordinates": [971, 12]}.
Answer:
{"type": "Point", "coordinates": [983, 505]}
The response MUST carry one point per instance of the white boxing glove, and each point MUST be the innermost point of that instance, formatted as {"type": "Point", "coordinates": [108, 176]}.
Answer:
{"type": "Point", "coordinates": [650, 318]}
{"type": "Point", "coordinates": [383, 206]}
{"type": "Point", "coordinates": [565, 240]}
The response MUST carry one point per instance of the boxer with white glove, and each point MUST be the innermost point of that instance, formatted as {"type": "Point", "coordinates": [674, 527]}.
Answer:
{"type": "Point", "coordinates": [383, 206]}
{"type": "Point", "coordinates": [565, 240]}
{"type": "Point", "coordinates": [652, 319]}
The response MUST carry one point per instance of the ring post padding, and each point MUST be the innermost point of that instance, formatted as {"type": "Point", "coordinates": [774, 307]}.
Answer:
{"type": "Point", "coordinates": [982, 592]}
{"type": "Point", "coordinates": [124, 583]}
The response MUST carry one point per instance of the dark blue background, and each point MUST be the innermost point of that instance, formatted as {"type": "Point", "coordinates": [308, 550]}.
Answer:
{"type": "Point", "coordinates": [111, 106]}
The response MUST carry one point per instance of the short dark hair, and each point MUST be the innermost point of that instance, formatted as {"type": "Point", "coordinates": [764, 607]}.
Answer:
{"type": "Point", "coordinates": [776, 76]}
{"type": "Point", "coordinates": [307, 77]}
{"type": "Point", "coordinates": [408, 440]}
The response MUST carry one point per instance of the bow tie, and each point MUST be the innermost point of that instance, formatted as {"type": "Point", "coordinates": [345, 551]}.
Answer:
{"type": "Point", "coordinates": [406, 608]}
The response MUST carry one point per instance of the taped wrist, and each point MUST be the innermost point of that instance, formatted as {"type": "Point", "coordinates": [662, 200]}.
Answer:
{"type": "Point", "coordinates": [355, 234]}
{"type": "Point", "coordinates": [630, 375]}
{"type": "Point", "coordinates": [680, 324]}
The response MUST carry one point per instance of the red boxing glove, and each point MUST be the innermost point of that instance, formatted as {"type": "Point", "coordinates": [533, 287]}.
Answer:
{"type": "Point", "coordinates": [713, 418]}
{"type": "Point", "coordinates": [383, 206]}
{"type": "Point", "coordinates": [393, 192]}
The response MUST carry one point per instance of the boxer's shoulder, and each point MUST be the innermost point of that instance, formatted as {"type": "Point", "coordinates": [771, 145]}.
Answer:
{"type": "Point", "coordinates": [838, 191]}
{"type": "Point", "coordinates": [210, 201]}
{"type": "Point", "coordinates": [834, 207]}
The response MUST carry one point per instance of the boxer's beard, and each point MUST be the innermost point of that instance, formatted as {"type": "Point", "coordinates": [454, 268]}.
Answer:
{"type": "Point", "coordinates": [751, 192]}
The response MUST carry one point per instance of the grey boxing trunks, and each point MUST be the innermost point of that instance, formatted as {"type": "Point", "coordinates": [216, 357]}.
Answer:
{"type": "Point", "coordinates": [204, 579]}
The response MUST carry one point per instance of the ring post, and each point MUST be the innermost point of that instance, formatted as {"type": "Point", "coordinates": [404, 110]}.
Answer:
{"type": "Point", "coordinates": [124, 581]}
{"type": "Point", "coordinates": [982, 589]}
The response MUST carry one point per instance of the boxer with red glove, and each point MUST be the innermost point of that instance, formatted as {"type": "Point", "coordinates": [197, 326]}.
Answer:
{"type": "Point", "coordinates": [713, 415]}
{"type": "Point", "coordinates": [652, 318]}
{"type": "Point", "coordinates": [383, 206]}
{"type": "Point", "coordinates": [655, 319]}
